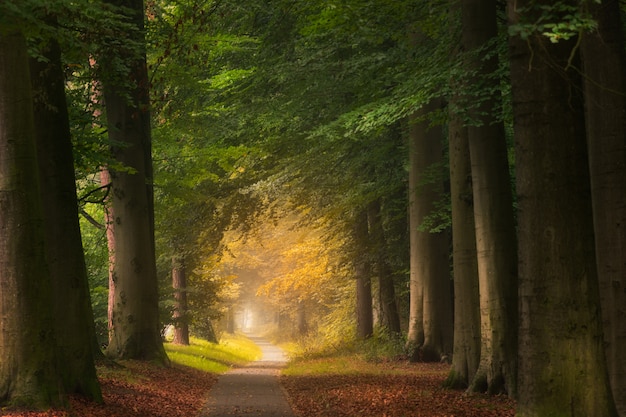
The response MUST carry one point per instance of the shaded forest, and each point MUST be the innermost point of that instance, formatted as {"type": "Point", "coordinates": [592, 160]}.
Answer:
{"type": "Point", "coordinates": [444, 179]}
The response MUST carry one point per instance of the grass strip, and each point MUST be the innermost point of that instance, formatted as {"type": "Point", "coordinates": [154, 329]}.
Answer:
{"type": "Point", "coordinates": [233, 350]}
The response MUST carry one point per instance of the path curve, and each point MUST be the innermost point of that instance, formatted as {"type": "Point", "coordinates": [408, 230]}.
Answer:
{"type": "Point", "coordinates": [252, 390]}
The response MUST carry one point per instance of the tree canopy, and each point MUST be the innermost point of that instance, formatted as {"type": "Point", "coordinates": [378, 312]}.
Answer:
{"type": "Point", "coordinates": [293, 158]}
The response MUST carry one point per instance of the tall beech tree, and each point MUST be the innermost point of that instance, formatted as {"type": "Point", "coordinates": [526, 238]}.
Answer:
{"type": "Point", "coordinates": [466, 352]}
{"type": "Point", "coordinates": [604, 69]}
{"type": "Point", "coordinates": [562, 366]}
{"type": "Point", "coordinates": [134, 327]}
{"type": "Point", "coordinates": [492, 202]}
{"type": "Point", "coordinates": [73, 314]}
{"type": "Point", "coordinates": [29, 369]}
{"type": "Point", "coordinates": [430, 316]}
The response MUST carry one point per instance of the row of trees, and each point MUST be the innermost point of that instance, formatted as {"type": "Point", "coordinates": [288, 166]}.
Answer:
{"type": "Point", "coordinates": [365, 89]}
{"type": "Point", "coordinates": [516, 92]}
{"type": "Point", "coordinates": [355, 114]}
{"type": "Point", "coordinates": [48, 335]}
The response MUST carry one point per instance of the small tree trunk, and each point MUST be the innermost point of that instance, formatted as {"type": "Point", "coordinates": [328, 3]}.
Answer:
{"type": "Point", "coordinates": [210, 334]}
{"type": "Point", "coordinates": [388, 308]}
{"type": "Point", "coordinates": [105, 181]}
{"type": "Point", "coordinates": [362, 271]}
{"type": "Point", "coordinates": [390, 318]}
{"type": "Point", "coordinates": [230, 320]}
{"type": "Point", "coordinates": [179, 283]}
{"type": "Point", "coordinates": [303, 326]}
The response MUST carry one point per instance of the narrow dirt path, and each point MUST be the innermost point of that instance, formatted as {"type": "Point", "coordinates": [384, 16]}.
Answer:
{"type": "Point", "coordinates": [253, 390]}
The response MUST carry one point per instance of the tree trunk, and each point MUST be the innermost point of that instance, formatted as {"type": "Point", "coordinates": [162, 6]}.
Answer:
{"type": "Point", "coordinates": [105, 181]}
{"type": "Point", "coordinates": [73, 314]}
{"type": "Point", "coordinates": [303, 326]}
{"type": "Point", "coordinates": [134, 321]}
{"type": "Point", "coordinates": [493, 208]}
{"type": "Point", "coordinates": [604, 66]}
{"type": "Point", "coordinates": [94, 98]}
{"type": "Point", "coordinates": [362, 271]}
{"type": "Point", "coordinates": [562, 366]}
{"type": "Point", "coordinates": [29, 369]}
{"type": "Point", "coordinates": [430, 316]}
{"type": "Point", "coordinates": [466, 354]}
{"type": "Point", "coordinates": [179, 283]}
{"type": "Point", "coordinates": [135, 332]}
{"type": "Point", "coordinates": [417, 239]}
{"type": "Point", "coordinates": [230, 320]}
{"type": "Point", "coordinates": [388, 315]}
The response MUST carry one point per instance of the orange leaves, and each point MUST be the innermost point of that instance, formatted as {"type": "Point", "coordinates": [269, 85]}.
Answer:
{"type": "Point", "coordinates": [142, 390]}
{"type": "Point", "coordinates": [416, 394]}
{"type": "Point", "coordinates": [414, 391]}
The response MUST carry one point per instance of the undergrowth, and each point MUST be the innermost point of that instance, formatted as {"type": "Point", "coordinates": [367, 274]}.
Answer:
{"type": "Point", "coordinates": [317, 355]}
{"type": "Point", "coordinates": [212, 357]}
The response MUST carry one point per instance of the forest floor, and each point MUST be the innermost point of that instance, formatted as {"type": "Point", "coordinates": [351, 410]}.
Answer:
{"type": "Point", "coordinates": [398, 389]}
{"type": "Point", "coordinates": [340, 385]}
{"type": "Point", "coordinates": [145, 390]}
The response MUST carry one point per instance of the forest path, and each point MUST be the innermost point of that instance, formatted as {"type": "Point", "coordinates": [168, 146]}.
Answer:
{"type": "Point", "coordinates": [252, 390]}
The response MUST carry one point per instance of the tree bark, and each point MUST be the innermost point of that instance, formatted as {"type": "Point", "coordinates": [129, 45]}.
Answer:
{"type": "Point", "coordinates": [73, 314]}
{"type": "Point", "coordinates": [562, 366]}
{"type": "Point", "coordinates": [29, 369]}
{"type": "Point", "coordinates": [134, 313]}
{"type": "Point", "coordinates": [466, 353]}
{"type": "Point", "coordinates": [179, 283]}
{"type": "Point", "coordinates": [301, 321]}
{"type": "Point", "coordinates": [362, 271]}
{"type": "Point", "coordinates": [493, 206]}
{"type": "Point", "coordinates": [417, 239]}
{"type": "Point", "coordinates": [105, 181]}
{"type": "Point", "coordinates": [430, 317]}
{"type": "Point", "coordinates": [604, 66]}
{"type": "Point", "coordinates": [230, 320]}
{"type": "Point", "coordinates": [135, 324]}
{"type": "Point", "coordinates": [389, 317]}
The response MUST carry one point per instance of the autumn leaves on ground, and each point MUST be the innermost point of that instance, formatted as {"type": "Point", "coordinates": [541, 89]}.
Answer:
{"type": "Point", "coordinates": [344, 385]}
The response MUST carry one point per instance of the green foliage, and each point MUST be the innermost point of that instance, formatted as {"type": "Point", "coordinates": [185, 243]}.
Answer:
{"type": "Point", "coordinates": [383, 346]}
{"type": "Point", "coordinates": [558, 21]}
{"type": "Point", "coordinates": [330, 87]}
{"type": "Point", "coordinates": [301, 103]}
{"type": "Point", "coordinates": [203, 169]}
{"type": "Point", "coordinates": [23, 15]}
{"type": "Point", "coordinates": [97, 262]}
{"type": "Point", "coordinates": [266, 107]}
